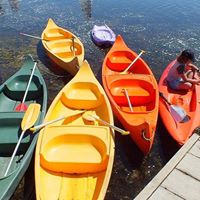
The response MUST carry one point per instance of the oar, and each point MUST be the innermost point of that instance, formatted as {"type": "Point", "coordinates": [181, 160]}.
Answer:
{"type": "Point", "coordinates": [92, 117]}
{"type": "Point", "coordinates": [29, 119]}
{"type": "Point", "coordinates": [128, 99]}
{"type": "Point", "coordinates": [178, 113]}
{"type": "Point", "coordinates": [32, 36]}
{"type": "Point", "coordinates": [73, 47]}
{"type": "Point", "coordinates": [55, 120]}
{"type": "Point", "coordinates": [22, 106]}
{"type": "Point", "coordinates": [130, 65]}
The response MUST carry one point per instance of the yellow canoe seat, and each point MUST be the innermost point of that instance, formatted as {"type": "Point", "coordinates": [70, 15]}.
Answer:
{"type": "Point", "coordinates": [53, 34]}
{"type": "Point", "coordinates": [82, 95]}
{"type": "Point", "coordinates": [75, 149]}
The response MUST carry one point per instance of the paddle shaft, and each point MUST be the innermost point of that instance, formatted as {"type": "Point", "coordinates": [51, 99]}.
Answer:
{"type": "Point", "coordinates": [14, 153]}
{"type": "Point", "coordinates": [133, 62]}
{"type": "Point", "coordinates": [29, 82]}
{"type": "Point", "coordinates": [55, 120]}
{"type": "Point", "coordinates": [162, 95]}
{"type": "Point", "coordinates": [32, 36]}
{"type": "Point", "coordinates": [73, 45]}
{"type": "Point", "coordinates": [30, 117]}
{"type": "Point", "coordinates": [110, 125]}
{"type": "Point", "coordinates": [46, 123]}
{"type": "Point", "coordinates": [128, 99]}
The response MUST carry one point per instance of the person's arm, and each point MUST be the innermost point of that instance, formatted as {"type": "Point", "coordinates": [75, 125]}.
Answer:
{"type": "Point", "coordinates": [193, 67]}
{"type": "Point", "coordinates": [187, 79]}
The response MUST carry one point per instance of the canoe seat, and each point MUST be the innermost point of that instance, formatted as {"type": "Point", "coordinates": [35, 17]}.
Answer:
{"type": "Point", "coordinates": [119, 60]}
{"type": "Point", "coordinates": [140, 90]}
{"type": "Point", "coordinates": [64, 47]}
{"type": "Point", "coordinates": [75, 149]}
{"type": "Point", "coordinates": [82, 95]}
{"type": "Point", "coordinates": [16, 89]}
{"type": "Point", "coordinates": [54, 34]}
{"type": "Point", "coordinates": [10, 133]}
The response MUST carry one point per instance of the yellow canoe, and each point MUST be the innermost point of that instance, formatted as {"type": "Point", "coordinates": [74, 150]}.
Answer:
{"type": "Point", "coordinates": [74, 156]}
{"type": "Point", "coordinates": [63, 47]}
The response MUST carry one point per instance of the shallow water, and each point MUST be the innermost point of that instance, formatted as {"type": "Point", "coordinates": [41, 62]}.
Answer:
{"type": "Point", "coordinates": [161, 28]}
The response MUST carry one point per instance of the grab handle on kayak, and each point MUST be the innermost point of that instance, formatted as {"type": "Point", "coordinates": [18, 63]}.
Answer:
{"type": "Point", "coordinates": [146, 138]}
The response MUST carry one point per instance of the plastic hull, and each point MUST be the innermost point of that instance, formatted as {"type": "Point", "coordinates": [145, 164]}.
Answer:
{"type": "Point", "coordinates": [142, 89]}
{"type": "Point", "coordinates": [11, 94]}
{"type": "Point", "coordinates": [63, 47]}
{"type": "Point", "coordinates": [188, 100]}
{"type": "Point", "coordinates": [74, 156]}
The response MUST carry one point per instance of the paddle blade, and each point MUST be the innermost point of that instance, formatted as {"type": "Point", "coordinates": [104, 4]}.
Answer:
{"type": "Point", "coordinates": [21, 107]}
{"type": "Point", "coordinates": [30, 116]}
{"type": "Point", "coordinates": [178, 113]}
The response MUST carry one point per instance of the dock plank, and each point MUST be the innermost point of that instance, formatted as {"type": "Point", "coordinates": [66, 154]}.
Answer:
{"type": "Point", "coordinates": [167, 170]}
{"type": "Point", "coordinates": [190, 165]}
{"type": "Point", "coordinates": [163, 194]}
{"type": "Point", "coordinates": [195, 150]}
{"type": "Point", "coordinates": [183, 185]}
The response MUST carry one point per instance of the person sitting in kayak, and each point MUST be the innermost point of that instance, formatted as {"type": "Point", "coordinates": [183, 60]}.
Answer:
{"type": "Point", "coordinates": [183, 74]}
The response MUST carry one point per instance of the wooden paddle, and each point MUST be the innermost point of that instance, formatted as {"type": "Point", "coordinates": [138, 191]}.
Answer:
{"type": "Point", "coordinates": [93, 117]}
{"type": "Point", "coordinates": [29, 119]}
{"type": "Point", "coordinates": [130, 65]}
{"type": "Point", "coordinates": [128, 99]}
{"type": "Point", "coordinates": [35, 128]}
{"type": "Point", "coordinates": [22, 106]}
{"type": "Point", "coordinates": [178, 113]}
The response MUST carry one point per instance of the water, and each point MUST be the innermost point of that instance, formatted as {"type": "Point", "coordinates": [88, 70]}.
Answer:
{"type": "Point", "coordinates": [161, 28]}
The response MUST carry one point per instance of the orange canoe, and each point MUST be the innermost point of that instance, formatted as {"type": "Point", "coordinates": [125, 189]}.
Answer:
{"type": "Point", "coordinates": [189, 101]}
{"type": "Point", "coordinates": [74, 155]}
{"type": "Point", "coordinates": [63, 47]}
{"type": "Point", "coordinates": [133, 95]}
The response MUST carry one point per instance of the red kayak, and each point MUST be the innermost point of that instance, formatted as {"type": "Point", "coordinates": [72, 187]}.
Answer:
{"type": "Point", "coordinates": [177, 102]}
{"type": "Point", "coordinates": [133, 93]}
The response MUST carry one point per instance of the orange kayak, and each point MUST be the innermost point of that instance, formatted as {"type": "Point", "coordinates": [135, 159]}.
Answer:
{"type": "Point", "coordinates": [63, 47]}
{"type": "Point", "coordinates": [133, 95]}
{"type": "Point", "coordinates": [189, 101]}
{"type": "Point", "coordinates": [74, 155]}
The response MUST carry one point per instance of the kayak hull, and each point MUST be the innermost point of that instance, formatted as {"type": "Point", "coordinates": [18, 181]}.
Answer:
{"type": "Point", "coordinates": [62, 162]}
{"type": "Point", "coordinates": [63, 47]}
{"type": "Point", "coordinates": [140, 117]}
{"type": "Point", "coordinates": [103, 36]}
{"type": "Point", "coordinates": [187, 100]}
{"type": "Point", "coordinates": [11, 94]}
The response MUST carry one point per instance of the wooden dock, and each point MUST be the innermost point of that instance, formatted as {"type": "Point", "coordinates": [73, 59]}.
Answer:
{"type": "Point", "coordinates": [180, 177]}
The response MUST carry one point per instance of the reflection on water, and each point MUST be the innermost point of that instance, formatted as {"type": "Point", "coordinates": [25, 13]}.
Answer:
{"type": "Point", "coordinates": [162, 28]}
{"type": "Point", "coordinates": [14, 4]}
{"type": "Point", "coordinates": [86, 7]}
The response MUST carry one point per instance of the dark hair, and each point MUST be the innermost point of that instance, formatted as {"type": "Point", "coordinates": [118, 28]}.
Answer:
{"type": "Point", "coordinates": [188, 54]}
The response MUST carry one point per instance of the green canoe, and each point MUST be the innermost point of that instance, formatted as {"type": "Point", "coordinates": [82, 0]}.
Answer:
{"type": "Point", "coordinates": [11, 95]}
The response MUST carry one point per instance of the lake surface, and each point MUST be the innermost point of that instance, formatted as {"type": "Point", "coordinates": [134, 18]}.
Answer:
{"type": "Point", "coordinates": [161, 28]}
